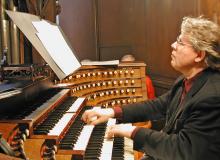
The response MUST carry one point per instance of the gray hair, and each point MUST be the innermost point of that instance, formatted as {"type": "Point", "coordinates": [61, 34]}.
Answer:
{"type": "Point", "coordinates": [128, 58]}
{"type": "Point", "coordinates": [204, 35]}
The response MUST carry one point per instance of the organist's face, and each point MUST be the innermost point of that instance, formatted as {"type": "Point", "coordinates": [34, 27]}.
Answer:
{"type": "Point", "coordinates": [183, 57]}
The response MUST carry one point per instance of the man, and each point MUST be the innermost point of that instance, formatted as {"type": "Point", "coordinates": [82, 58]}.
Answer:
{"type": "Point", "coordinates": [191, 107]}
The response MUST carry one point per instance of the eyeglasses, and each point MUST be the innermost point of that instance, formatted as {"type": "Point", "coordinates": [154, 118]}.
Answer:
{"type": "Point", "coordinates": [179, 42]}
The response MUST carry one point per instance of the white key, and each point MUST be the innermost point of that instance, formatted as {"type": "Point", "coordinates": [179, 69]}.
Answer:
{"type": "Point", "coordinates": [75, 106]}
{"type": "Point", "coordinates": [128, 148]}
{"type": "Point", "coordinates": [106, 151]}
{"type": "Point", "coordinates": [46, 106]}
{"type": "Point", "coordinates": [84, 137]}
{"type": "Point", "coordinates": [59, 127]}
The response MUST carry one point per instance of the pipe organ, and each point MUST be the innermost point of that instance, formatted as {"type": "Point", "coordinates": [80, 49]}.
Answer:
{"type": "Point", "coordinates": [49, 126]}
{"type": "Point", "coordinates": [40, 116]}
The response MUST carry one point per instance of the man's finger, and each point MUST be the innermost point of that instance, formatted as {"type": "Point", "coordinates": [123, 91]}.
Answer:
{"type": "Point", "coordinates": [96, 121]}
{"type": "Point", "coordinates": [85, 115]}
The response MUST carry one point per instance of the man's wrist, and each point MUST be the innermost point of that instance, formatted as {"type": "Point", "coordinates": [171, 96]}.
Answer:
{"type": "Point", "coordinates": [110, 112]}
{"type": "Point", "coordinates": [134, 132]}
{"type": "Point", "coordinates": [117, 112]}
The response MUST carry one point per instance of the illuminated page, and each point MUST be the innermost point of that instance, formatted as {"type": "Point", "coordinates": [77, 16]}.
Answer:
{"type": "Point", "coordinates": [56, 45]}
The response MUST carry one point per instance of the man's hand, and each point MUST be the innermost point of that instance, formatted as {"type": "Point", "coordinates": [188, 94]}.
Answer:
{"type": "Point", "coordinates": [96, 116]}
{"type": "Point", "coordinates": [120, 130]}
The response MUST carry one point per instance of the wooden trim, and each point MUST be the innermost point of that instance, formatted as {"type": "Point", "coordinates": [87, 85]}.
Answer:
{"type": "Point", "coordinates": [162, 84]}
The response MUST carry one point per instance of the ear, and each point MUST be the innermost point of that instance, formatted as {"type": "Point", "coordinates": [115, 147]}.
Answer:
{"type": "Point", "coordinates": [200, 56]}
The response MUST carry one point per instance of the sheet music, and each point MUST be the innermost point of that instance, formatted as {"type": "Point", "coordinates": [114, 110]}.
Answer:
{"type": "Point", "coordinates": [113, 62]}
{"type": "Point", "coordinates": [55, 44]}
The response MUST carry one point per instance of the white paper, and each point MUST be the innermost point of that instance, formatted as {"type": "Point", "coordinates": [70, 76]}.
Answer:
{"type": "Point", "coordinates": [113, 62]}
{"type": "Point", "coordinates": [55, 44]}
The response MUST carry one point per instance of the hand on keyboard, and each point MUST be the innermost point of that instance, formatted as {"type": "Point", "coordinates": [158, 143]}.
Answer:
{"type": "Point", "coordinates": [96, 116]}
{"type": "Point", "coordinates": [120, 130]}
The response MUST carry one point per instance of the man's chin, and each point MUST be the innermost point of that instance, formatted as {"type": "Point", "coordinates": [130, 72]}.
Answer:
{"type": "Point", "coordinates": [174, 66]}
{"type": "Point", "coordinates": [172, 63]}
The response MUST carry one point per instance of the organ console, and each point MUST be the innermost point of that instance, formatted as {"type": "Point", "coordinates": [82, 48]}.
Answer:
{"type": "Point", "coordinates": [49, 125]}
{"type": "Point", "coordinates": [40, 116]}
{"type": "Point", "coordinates": [108, 85]}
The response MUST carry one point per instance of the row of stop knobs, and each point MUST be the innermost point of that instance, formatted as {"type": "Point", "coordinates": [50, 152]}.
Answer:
{"type": "Point", "coordinates": [111, 92]}
{"type": "Point", "coordinates": [105, 73]}
{"type": "Point", "coordinates": [119, 102]}
{"type": "Point", "coordinates": [104, 83]}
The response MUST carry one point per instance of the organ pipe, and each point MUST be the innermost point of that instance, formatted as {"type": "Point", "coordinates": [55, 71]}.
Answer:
{"type": "Point", "coordinates": [5, 32]}
{"type": "Point", "coordinates": [15, 54]}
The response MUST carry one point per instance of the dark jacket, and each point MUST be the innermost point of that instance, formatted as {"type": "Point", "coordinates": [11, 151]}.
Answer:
{"type": "Point", "coordinates": [192, 130]}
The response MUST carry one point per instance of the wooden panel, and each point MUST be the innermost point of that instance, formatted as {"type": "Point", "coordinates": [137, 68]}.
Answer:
{"type": "Point", "coordinates": [210, 9]}
{"type": "Point", "coordinates": [6, 157]}
{"type": "Point", "coordinates": [77, 19]}
{"type": "Point", "coordinates": [49, 10]}
{"type": "Point", "coordinates": [6, 129]}
{"type": "Point", "coordinates": [145, 28]}
{"type": "Point", "coordinates": [114, 52]}
{"type": "Point", "coordinates": [115, 21]}
{"type": "Point", "coordinates": [116, 28]}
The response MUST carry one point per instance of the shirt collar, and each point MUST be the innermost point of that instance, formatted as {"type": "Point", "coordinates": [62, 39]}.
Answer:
{"type": "Point", "coordinates": [189, 82]}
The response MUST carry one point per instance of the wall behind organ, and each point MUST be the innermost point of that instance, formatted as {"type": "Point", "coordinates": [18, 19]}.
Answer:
{"type": "Point", "coordinates": [77, 20]}
{"type": "Point", "coordinates": [103, 30]}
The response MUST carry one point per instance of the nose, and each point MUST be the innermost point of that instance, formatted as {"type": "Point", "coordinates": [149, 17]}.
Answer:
{"type": "Point", "coordinates": [173, 45]}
